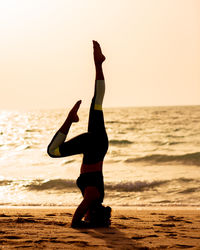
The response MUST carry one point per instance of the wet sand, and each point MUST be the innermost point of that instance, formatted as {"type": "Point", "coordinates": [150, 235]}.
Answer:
{"type": "Point", "coordinates": [49, 228]}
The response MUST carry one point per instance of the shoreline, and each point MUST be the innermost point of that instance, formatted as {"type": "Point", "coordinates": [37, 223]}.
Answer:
{"type": "Point", "coordinates": [135, 228]}
{"type": "Point", "coordinates": [175, 207]}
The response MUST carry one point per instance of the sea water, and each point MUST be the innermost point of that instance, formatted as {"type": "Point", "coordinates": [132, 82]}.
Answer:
{"type": "Point", "coordinates": [153, 158]}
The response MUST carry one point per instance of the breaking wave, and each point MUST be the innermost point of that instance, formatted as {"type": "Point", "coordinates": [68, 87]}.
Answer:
{"type": "Point", "coordinates": [64, 192]}
{"type": "Point", "coordinates": [123, 186]}
{"type": "Point", "coordinates": [136, 186]}
{"type": "Point", "coordinates": [5, 182]}
{"type": "Point", "coordinates": [57, 184]}
{"type": "Point", "coordinates": [62, 184]}
{"type": "Point", "coordinates": [185, 159]}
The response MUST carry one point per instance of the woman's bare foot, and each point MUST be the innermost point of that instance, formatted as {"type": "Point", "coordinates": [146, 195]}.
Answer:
{"type": "Point", "coordinates": [72, 116]}
{"type": "Point", "coordinates": [99, 58]}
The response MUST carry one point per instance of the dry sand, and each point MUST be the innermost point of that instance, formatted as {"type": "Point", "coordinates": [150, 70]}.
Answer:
{"type": "Point", "coordinates": [49, 228]}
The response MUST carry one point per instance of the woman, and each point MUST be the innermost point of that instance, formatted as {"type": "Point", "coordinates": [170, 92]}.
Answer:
{"type": "Point", "coordinates": [93, 145]}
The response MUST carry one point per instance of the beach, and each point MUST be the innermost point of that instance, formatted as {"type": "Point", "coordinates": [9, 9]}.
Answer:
{"type": "Point", "coordinates": [135, 228]}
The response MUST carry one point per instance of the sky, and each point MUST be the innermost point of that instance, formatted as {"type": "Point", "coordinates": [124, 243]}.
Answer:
{"type": "Point", "coordinates": [152, 50]}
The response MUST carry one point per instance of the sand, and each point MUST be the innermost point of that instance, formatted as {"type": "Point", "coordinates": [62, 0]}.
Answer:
{"type": "Point", "coordinates": [49, 228]}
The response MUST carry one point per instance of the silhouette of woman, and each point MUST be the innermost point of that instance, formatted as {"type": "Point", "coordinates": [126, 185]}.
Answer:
{"type": "Point", "coordinates": [93, 145]}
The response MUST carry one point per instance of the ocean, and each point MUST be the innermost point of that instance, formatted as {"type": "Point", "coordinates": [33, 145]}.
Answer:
{"type": "Point", "coordinates": [153, 158]}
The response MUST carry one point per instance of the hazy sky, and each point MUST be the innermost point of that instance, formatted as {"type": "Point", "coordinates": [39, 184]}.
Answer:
{"type": "Point", "coordinates": [152, 49]}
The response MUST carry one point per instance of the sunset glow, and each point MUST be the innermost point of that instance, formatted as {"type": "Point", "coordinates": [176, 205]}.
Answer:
{"type": "Point", "coordinates": [152, 49]}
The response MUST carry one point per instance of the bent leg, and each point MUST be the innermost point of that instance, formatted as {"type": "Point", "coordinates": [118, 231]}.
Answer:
{"type": "Point", "coordinates": [53, 149]}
